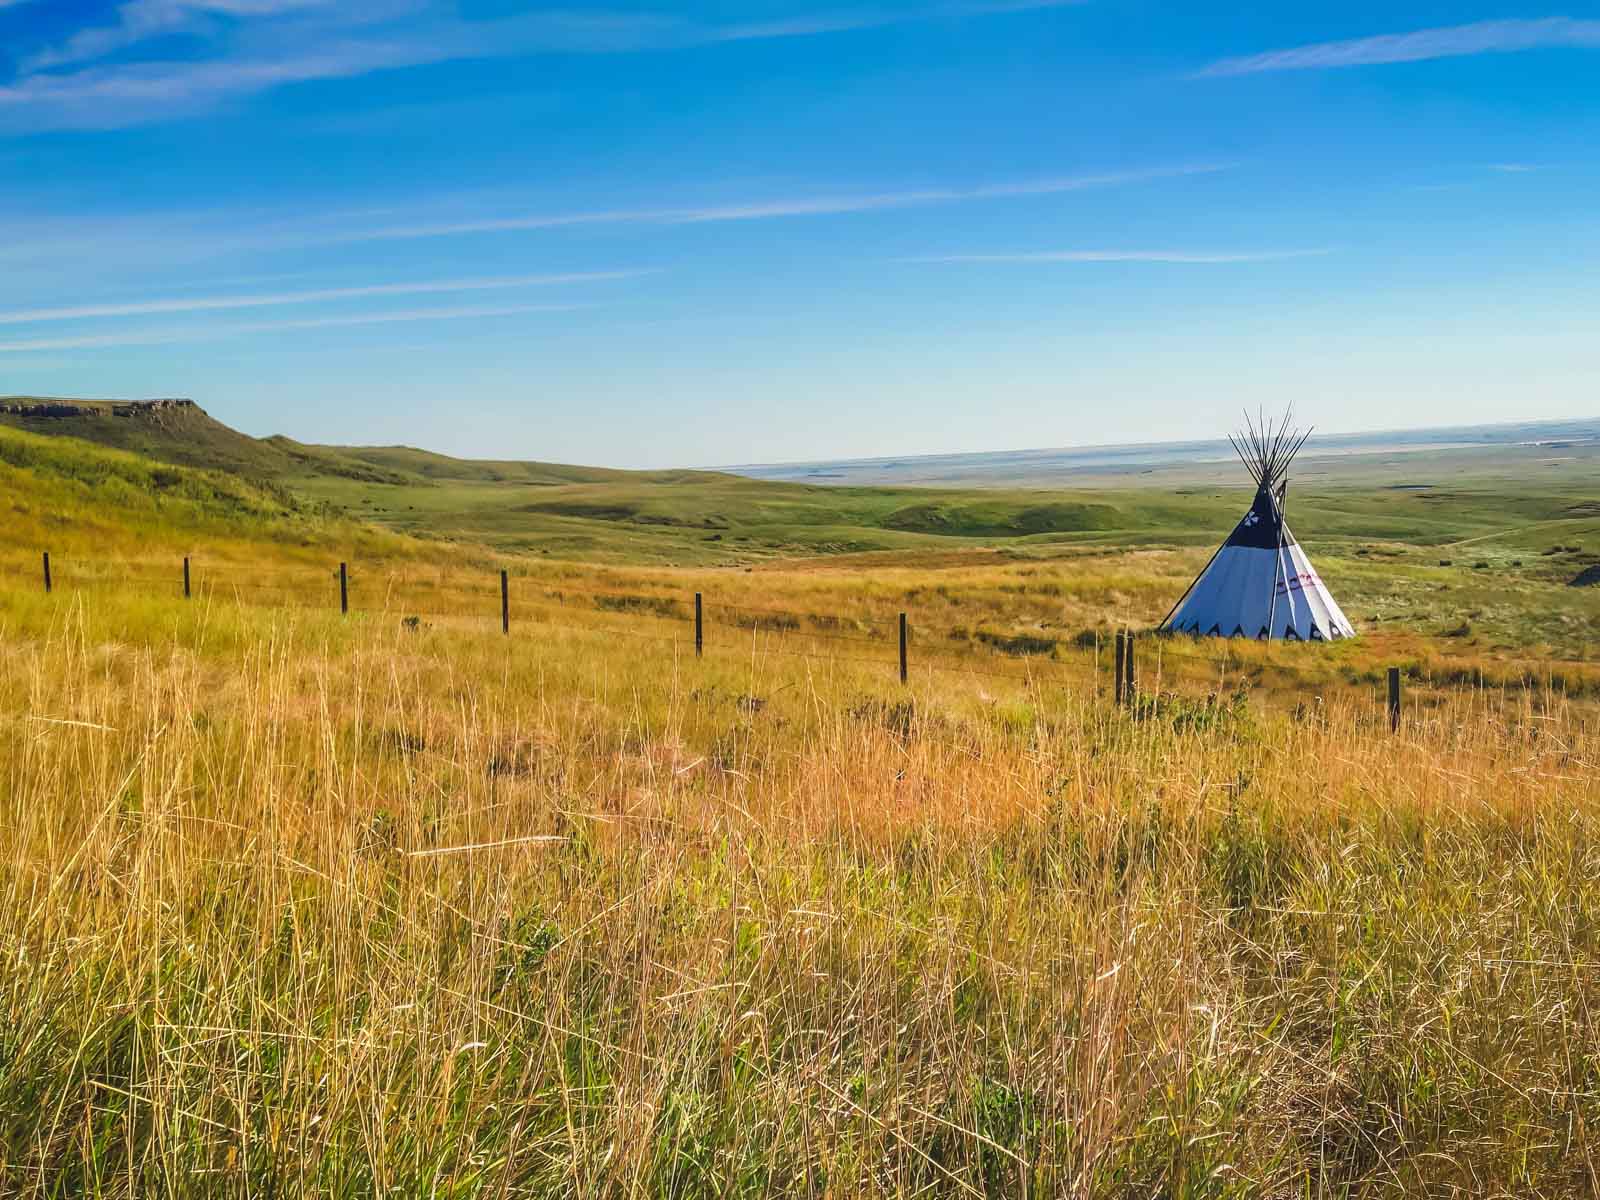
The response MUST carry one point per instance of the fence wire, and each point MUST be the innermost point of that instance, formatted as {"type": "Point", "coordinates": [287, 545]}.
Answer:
{"type": "Point", "coordinates": [727, 626]}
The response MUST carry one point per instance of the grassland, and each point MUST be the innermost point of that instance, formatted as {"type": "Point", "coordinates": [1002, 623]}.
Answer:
{"type": "Point", "coordinates": [300, 905]}
{"type": "Point", "coordinates": [296, 904]}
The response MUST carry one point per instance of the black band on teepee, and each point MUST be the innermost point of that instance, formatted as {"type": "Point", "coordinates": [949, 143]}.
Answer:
{"type": "Point", "coordinates": [1261, 528]}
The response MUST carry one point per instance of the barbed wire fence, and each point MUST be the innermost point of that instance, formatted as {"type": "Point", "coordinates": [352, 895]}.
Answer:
{"type": "Point", "coordinates": [1135, 668]}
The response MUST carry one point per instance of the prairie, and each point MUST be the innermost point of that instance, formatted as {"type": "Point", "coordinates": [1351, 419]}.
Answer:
{"type": "Point", "coordinates": [300, 904]}
{"type": "Point", "coordinates": [394, 902]}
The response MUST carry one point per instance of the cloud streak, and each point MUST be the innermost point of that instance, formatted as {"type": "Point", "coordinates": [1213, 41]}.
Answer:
{"type": "Point", "coordinates": [162, 337]}
{"type": "Point", "coordinates": [1454, 41]}
{"type": "Point", "coordinates": [1178, 257]}
{"type": "Point", "coordinates": [266, 300]}
{"type": "Point", "coordinates": [815, 206]}
{"type": "Point", "coordinates": [818, 24]}
{"type": "Point", "coordinates": [46, 246]}
{"type": "Point", "coordinates": [304, 41]}
{"type": "Point", "coordinates": [142, 20]}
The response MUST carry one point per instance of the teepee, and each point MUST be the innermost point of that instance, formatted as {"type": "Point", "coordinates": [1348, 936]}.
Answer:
{"type": "Point", "coordinates": [1259, 583]}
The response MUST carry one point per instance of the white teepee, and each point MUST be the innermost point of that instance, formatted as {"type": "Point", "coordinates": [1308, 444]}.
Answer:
{"type": "Point", "coordinates": [1259, 583]}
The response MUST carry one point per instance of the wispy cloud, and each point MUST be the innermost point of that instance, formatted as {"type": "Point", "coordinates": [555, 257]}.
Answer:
{"type": "Point", "coordinates": [845, 21]}
{"type": "Point", "coordinates": [1180, 257]}
{"type": "Point", "coordinates": [1454, 41]}
{"type": "Point", "coordinates": [208, 333]}
{"type": "Point", "coordinates": [279, 42]}
{"type": "Point", "coordinates": [112, 97]}
{"type": "Point", "coordinates": [142, 20]}
{"type": "Point", "coordinates": [1513, 168]}
{"type": "Point", "coordinates": [805, 206]}
{"type": "Point", "coordinates": [225, 303]}
{"type": "Point", "coordinates": [45, 246]}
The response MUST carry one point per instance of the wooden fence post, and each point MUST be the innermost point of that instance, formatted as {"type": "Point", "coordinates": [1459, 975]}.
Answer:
{"type": "Point", "coordinates": [185, 576]}
{"type": "Point", "coordinates": [902, 647]}
{"type": "Point", "coordinates": [47, 572]}
{"type": "Point", "coordinates": [1122, 650]}
{"type": "Point", "coordinates": [699, 626]}
{"type": "Point", "coordinates": [505, 602]}
{"type": "Point", "coordinates": [1394, 699]}
{"type": "Point", "coordinates": [344, 589]}
{"type": "Point", "coordinates": [1127, 661]}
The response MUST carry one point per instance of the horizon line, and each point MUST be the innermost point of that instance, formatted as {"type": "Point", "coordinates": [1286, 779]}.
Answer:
{"type": "Point", "coordinates": [1085, 446]}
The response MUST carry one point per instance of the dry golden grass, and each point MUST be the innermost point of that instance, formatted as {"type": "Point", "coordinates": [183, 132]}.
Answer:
{"type": "Point", "coordinates": [291, 905]}
{"type": "Point", "coordinates": [975, 612]}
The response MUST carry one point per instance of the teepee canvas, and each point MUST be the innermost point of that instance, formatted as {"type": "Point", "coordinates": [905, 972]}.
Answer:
{"type": "Point", "coordinates": [1259, 583]}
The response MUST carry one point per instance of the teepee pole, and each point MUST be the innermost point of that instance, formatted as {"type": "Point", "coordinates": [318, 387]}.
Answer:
{"type": "Point", "coordinates": [1272, 602]}
{"type": "Point", "coordinates": [1280, 445]}
{"type": "Point", "coordinates": [1272, 606]}
{"type": "Point", "coordinates": [1282, 503]}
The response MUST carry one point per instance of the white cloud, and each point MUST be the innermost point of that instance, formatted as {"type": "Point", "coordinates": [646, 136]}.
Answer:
{"type": "Point", "coordinates": [772, 209]}
{"type": "Point", "coordinates": [816, 24]}
{"type": "Point", "coordinates": [141, 20]}
{"type": "Point", "coordinates": [1455, 41]}
{"type": "Point", "coordinates": [112, 97]}
{"type": "Point", "coordinates": [1183, 257]}
{"type": "Point", "coordinates": [42, 248]}
{"type": "Point", "coordinates": [225, 303]}
{"type": "Point", "coordinates": [280, 42]}
{"type": "Point", "coordinates": [207, 333]}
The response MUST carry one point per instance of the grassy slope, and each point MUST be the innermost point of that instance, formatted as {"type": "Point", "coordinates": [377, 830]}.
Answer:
{"type": "Point", "coordinates": [188, 437]}
{"type": "Point", "coordinates": [93, 508]}
{"type": "Point", "coordinates": [425, 464]}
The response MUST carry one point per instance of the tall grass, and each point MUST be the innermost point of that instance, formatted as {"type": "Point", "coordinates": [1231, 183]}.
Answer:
{"type": "Point", "coordinates": [300, 906]}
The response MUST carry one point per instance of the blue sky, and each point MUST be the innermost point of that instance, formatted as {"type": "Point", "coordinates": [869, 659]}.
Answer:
{"type": "Point", "coordinates": [652, 234]}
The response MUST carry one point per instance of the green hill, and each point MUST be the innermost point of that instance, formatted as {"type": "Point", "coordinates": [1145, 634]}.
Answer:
{"type": "Point", "coordinates": [424, 464]}
{"type": "Point", "coordinates": [93, 506]}
{"type": "Point", "coordinates": [63, 493]}
{"type": "Point", "coordinates": [182, 433]}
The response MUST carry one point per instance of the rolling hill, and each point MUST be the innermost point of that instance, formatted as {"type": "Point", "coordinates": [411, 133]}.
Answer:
{"type": "Point", "coordinates": [182, 433]}
{"type": "Point", "coordinates": [571, 511]}
{"type": "Point", "coordinates": [1508, 516]}
{"type": "Point", "coordinates": [89, 501]}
